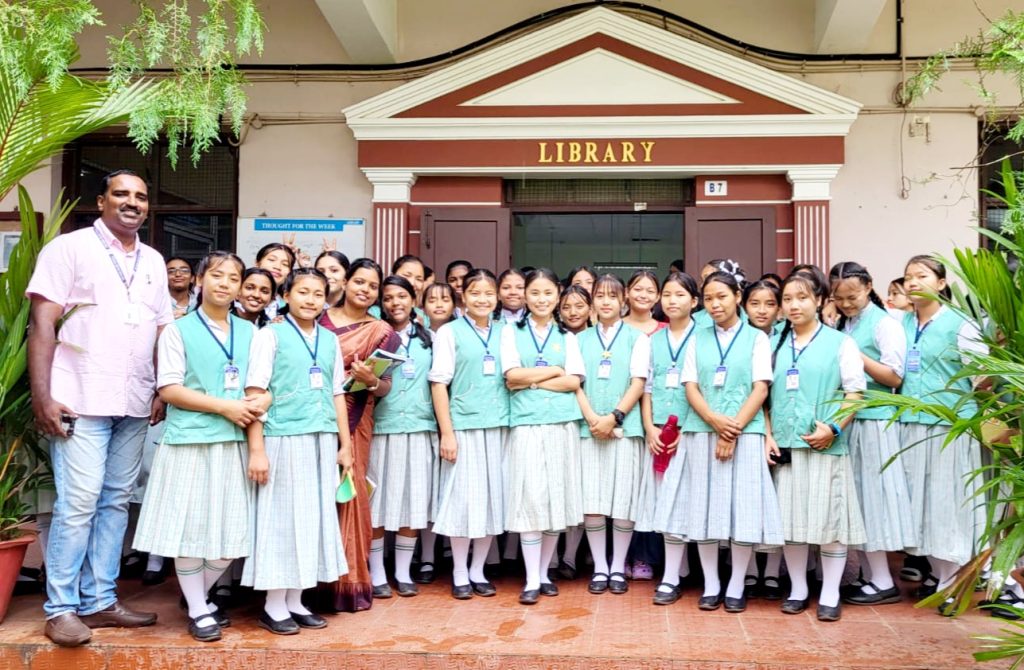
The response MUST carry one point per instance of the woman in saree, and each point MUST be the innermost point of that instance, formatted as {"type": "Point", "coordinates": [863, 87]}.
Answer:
{"type": "Point", "coordinates": [359, 335]}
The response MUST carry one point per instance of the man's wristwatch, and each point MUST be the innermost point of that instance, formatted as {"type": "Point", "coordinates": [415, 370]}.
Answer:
{"type": "Point", "coordinates": [619, 417]}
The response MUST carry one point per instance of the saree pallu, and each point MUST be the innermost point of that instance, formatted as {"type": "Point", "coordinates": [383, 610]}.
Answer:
{"type": "Point", "coordinates": [354, 591]}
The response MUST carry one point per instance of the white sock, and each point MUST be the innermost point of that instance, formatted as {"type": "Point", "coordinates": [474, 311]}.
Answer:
{"type": "Point", "coordinates": [481, 546]}
{"type": "Point", "coordinates": [212, 571]}
{"type": "Point", "coordinates": [277, 604]}
{"type": "Point", "coordinates": [944, 571]}
{"type": "Point", "coordinates": [531, 542]}
{"type": "Point", "coordinates": [377, 575]}
{"type": "Point", "coordinates": [597, 538]}
{"type": "Point", "coordinates": [833, 561]}
{"type": "Point", "coordinates": [155, 563]}
{"type": "Point", "coordinates": [742, 555]}
{"type": "Point", "coordinates": [675, 551]}
{"type": "Point", "coordinates": [548, 551]}
{"type": "Point", "coordinates": [405, 547]}
{"type": "Point", "coordinates": [293, 599]}
{"type": "Point", "coordinates": [773, 564]}
{"type": "Point", "coordinates": [427, 541]}
{"type": "Point", "coordinates": [511, 547]}
{"type": "Point", "coordinates": [796, 561]}
{"type": "Point", "coordinates": [684, 565]}
{"type": "Point", "coordinates": [876, 566]}
{"type": "Point", "coordinates": [709, 564]}
{"type": "Point", "coordinates": [190, 580]}
{"type": "Point", "coordinates": [573, 536]}
{"type": "Point", "coordinates": [460, 560]}
{"type": "Point", "coordinates": [622, 534]}
{"type": "Point", "coordinates": [751, 565]}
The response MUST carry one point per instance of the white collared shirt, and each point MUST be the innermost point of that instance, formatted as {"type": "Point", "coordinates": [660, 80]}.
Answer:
{"type": "Point", "coordinates": [761, 356]}
{"type": "Point", "coordinates": [511, 359]}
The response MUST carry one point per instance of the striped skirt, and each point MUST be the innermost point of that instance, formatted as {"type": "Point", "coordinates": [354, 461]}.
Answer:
{"type": "Point", "coordinates": [669, 515]}
{"type": "Point", "coordinates": [542, 478]}
{"type": "Point", "coordinates": [728, 500]}
{"type": "Point", "coordinates": [611, 476]}
{"type": "Point", "coordinates": [881, 489]}
{"type": "Point", "coordinates": [470, 502]}
{"type": "Point", "coordinates": [297, 539]}
{"type": "Point", "coordinates": [819, 499]}
{"type": "Point", "coordinates": [947, 515]}
{"type": "Point", "coordinates": [198, 502]}
{"type": "Point", "coordinates": [404, 467]}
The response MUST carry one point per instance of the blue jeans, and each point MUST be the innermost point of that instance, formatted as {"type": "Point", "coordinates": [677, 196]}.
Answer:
{"type": "Point", "coordinates": [94, 471]}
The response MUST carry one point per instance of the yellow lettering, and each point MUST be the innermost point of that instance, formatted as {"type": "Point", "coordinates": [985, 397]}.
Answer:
{"type": "Point", "coordinates": [609, 154]}
{"type": "Point", "coordinates": [544, 157]}
{"type": "Point", "coordinates": [574, 152]}
{"type": "Point", "coordinates": [627, 153]}
{"type": "Point", "coordinates": [591, 156]}
{"type": "Point", "coordinates": [648, 147]}
{"type": "Point", "coordinates": [558, 147]}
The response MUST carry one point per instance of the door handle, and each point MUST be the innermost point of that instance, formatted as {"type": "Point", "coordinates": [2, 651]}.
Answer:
{"type": "Point", "coordinates": [428, 223]}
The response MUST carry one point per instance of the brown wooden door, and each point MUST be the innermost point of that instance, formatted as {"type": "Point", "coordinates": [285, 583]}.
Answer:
{"type": "Point", "coordinates": [744, 234]}
{"type": "Point", "coordinates": [480, 235]}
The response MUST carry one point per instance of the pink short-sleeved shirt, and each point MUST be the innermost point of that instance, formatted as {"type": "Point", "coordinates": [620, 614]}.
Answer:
{"type": "Point", "coordinates": [103, 363]}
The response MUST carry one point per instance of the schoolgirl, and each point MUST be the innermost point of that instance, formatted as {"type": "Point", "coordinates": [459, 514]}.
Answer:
{"type": "Point", "coordinates": [438, 305]}
{"type": "Point", "coordinates": [897, 299]}
{"type": "Point", "coordinates": [258, 291]}
{"type": "Point", "coordinates": [294, 456]}
{"type": "Point", "coordinates": [543, 369]}
{"type": "Point", "coordinates": [454, 276]}
{"type": "Point", "coordinates": [761, 305]}
{"type": "Point", "coordinates": [511, 298]}
{"type": "Point", "coordinates": [701, 317]}
{"type": "Point", "coordinates": [179, 283]}
{"type": "Point", "coordinates": [403, 451]}
{"type": "Point", "coordinates": [198, 501]}
{"type": "Point", "coordinates": [665, 395]}
{"type": "Point", "coordinates": [815, 368]}
{"type": "Point", "coordinates": [278, 259]}
{"type": "Point", "coordinates": [641, 299]}
{"type": "Point", "coordinates": [334, 265]}
{"type": "Point", "coordinates": [873, 442]}
{"type": "Point", "coordinates": [947, 518]}
{"type": "Point", "coordinates": [472, 409]}
{"type": "Point", "coordinates": [411, 269]}
{"type": "Point", "coordinates": [581, 276]}
{"type": "Point", "coordinates": [616, 357]}
{"type": "Point", "coordinates": [728, 493]}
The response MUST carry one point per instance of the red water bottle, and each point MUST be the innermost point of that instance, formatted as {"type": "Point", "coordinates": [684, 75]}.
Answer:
{"type": "Point", "coordinates": [669, 433]}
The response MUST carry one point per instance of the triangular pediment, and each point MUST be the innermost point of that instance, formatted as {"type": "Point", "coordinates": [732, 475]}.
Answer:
{"type": "Point", "coordinates": [601, 73]}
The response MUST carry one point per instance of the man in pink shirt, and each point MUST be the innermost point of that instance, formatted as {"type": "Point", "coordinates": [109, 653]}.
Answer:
{"type": "Point", "coordinates": [94, 393]}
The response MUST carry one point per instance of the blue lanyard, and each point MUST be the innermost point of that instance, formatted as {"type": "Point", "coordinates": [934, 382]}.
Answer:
{"type": "Point", "coordinates": [117, 266]}
{"type": "Point", "coordinates": [230, 350]}
{"type": "Point", "coordinates": [723, 356]}
{"type": "Point", "coordinates": [540, 347]}
{"type": "Point", "coordinates": [487, 342]}
{"type": "Point", "coordinates": [316, 339]}
{"type": "Point", "coordinates": [682, 345]}
{"type": "Point", "coordinates": [792, 344]}
{"type": "Point", "coordinates": [920, 331]}
{"type": "Point", "coordinates": [608, 348]}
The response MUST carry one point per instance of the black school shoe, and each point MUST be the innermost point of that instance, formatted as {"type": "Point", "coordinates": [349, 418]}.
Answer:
{"type": "Point", "coordinates": [794, 606]}
{"type": "Point", "coordinates": [618, 586]}
{"type": "Point", "coordinates": [406, 590]}
{"type": "Point", "coordinates": [710, 603]}
{"type": "Point", "coordinates": [311, 621]}
{"type": "Point", "coordinates": [598, 586]}
{"type": "Point", "coordinates": [667, 598]}
{"type": "Point", "coordinates": [382, 591]}
{"type": "Point", "coordinates": [286, 627]}
{"type": "Point", "coordinates": [529, 597]}
{"type": "Point", "coordinates": [210, 633]}
{"type": "Point", "coordinates": [464, 592]}
{"type": "Point", "coordinates": [425, 575]}
{"type": "Point", "coordinates": [826, 613]}
{"type": "Point", "coordinates": [735, 605]}
{"type": "Point", "coordinates": [771, 588]}
{"type": "Point", "coordinates": [485, 589]}
{"type": "Point", "coordinates": [879, 597]}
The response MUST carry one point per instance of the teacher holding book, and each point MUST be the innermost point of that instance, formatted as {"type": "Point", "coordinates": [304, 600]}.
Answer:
{"type": "Point", "coordinates": [360, 335]}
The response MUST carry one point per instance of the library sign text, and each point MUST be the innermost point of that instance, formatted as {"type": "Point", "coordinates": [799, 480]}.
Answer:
{"type": "Point", "coordinates": [605, 151]}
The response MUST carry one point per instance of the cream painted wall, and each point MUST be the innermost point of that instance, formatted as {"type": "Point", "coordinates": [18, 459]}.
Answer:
{"type": "Point", "coordinates": [872, 224]}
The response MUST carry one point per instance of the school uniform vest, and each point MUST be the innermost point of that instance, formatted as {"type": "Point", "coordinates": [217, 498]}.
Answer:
{"type": "Point", "coordinates": [739, 379]}
{"type": "Point", "coordinates": [604, 394]}
{"type": "Point", "coordinates": [407, 408]}
{"type": "Point", "coordinates": [298, 409]}
{"type": "Point", "coordinates": [477, 400]}
{"type": "Point", "coordinates": [204, 372]}
{"type": "Point", "coordinates": [863, 333]}
{"type": "Point", "coordinates": [940, 360]}
{"type": "Point", "coordinates": [794, 412]}
{"type": "Point", "coordinates": [535, 407]}
{"type": "Point", "coordinates": [664, 400]}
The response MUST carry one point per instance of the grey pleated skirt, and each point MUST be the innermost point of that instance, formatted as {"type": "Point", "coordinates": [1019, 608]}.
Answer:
{"type": "Point", "coordinates": [470, 502]}
{"type": "Point", "coordinates": [818, 498]}
{"type": "Point", "coordinates": [669, 514]}
{"type": "Point", "coordinates": [297, 540]}
{"type": "Point", "coordinates": [948, 516]}
{"type": "Point", "coordinates": [728, 500]}
{"type": "Point", "coordinates": [542, 478]}
{"type": "Point", "coordinates": [611, 476]}
{"type": "Point", "coordinates": [198, 502]}
{"type": "Point", "coordinates": [405, 469]}
{"type": "Point", "coordinates": [882, 490]}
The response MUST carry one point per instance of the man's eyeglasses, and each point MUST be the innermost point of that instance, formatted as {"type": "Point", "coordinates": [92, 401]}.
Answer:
{"type": "Point", "coordinates": [178, 271]}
